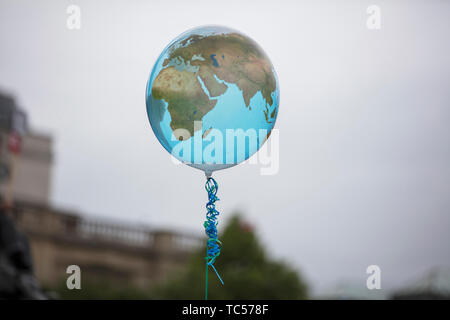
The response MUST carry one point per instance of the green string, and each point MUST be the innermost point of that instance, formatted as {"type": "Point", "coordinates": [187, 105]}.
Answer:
{"type": "Point", "coordinates": [213, 244]}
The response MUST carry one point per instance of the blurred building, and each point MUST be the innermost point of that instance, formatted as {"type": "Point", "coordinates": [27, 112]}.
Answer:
{"type": "Point", "coordinates": [104, 250]}
{"type": "Point", "coordinates": [112, 252]}
{"type": "Point", "coordinates": [29, 176]}
{"type": "Point", "coordinates": [25, 156]}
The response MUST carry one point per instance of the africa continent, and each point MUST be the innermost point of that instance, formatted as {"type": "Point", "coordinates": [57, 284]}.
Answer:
{"type": "Point", "coordinates": [208, 61]}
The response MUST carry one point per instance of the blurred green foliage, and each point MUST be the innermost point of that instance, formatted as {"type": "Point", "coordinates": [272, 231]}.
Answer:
{"type": "Point", "coordinates": [244, 266]}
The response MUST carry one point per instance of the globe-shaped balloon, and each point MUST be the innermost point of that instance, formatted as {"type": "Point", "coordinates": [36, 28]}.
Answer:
{"type": "Point", "coordinates": [212, 98]}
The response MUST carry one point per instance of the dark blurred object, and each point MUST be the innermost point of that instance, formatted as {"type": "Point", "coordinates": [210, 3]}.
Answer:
{"type": "Point", "coordinates": [16, 268]}
{"type": "Point", "coordinates": [4, 171]}
{"type": "Point", "coordinates": [12, 119]}
{"type": "Point", "coordinates": [434, 285]}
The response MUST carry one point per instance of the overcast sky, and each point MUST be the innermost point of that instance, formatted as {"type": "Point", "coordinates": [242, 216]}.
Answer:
{"type": "Point", "coordinates": [364, 135]}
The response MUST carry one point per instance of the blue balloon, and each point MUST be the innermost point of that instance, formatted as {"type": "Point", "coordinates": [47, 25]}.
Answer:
{"type": "Point", "coordinates": [212, 98]}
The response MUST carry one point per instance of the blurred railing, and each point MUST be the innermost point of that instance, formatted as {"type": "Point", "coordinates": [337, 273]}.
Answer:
{"type": "Point", "coordinates": [92, 229]}
{"type": "Point", "coordinates": [42, 220]}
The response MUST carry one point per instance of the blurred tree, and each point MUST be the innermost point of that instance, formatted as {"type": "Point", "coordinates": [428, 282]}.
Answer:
{"type": "Point", "coordinates": [245, 268]}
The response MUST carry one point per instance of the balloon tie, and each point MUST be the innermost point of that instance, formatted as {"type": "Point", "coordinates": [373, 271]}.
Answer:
{"type": "Point", "coordinates": [213, 245]}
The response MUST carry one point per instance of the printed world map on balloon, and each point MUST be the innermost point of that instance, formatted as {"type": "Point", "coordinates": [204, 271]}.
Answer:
{"type": "Point", "coordinates": [205, 82]}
